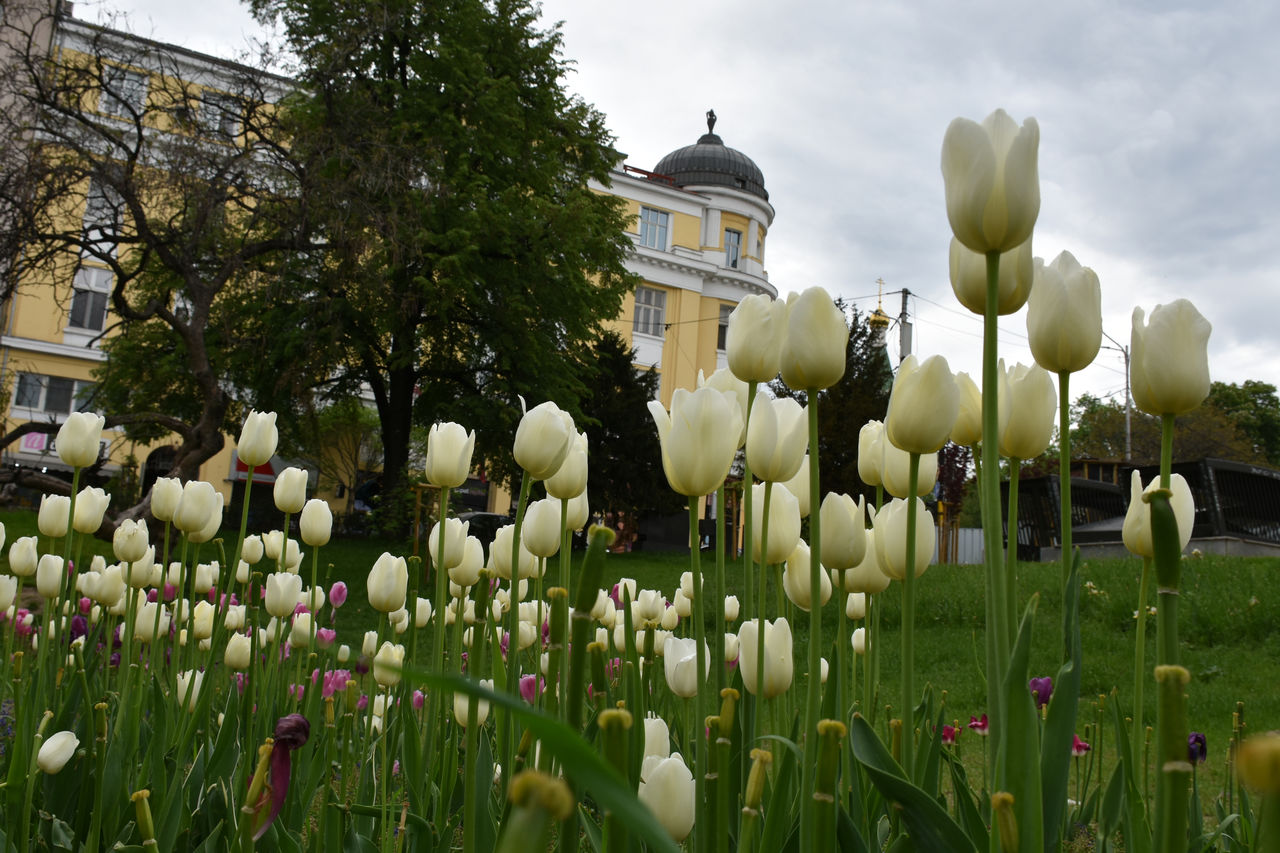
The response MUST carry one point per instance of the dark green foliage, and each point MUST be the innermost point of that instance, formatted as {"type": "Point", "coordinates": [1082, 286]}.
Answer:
{"type": "Point", "coordinates": [1254, 409]}
{"type": "Point", "coordinates": [861, 395]}
{"type": "Point", "coordinates": [466, 259]}
{"type": "Point", "coordinates": [625, 456]}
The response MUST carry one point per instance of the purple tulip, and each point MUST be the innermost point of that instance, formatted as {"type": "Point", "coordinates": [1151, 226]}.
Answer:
{"type": "Point", "coordinates": [1041, 689]}
{"type": "Point", "coordinates": [338, 594]}
{"type": "Point", "coordinates": [1197, 748]}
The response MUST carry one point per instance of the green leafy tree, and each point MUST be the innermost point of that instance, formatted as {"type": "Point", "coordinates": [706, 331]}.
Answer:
{"type": "Point", "coordinates": [1254, 408]}
{"type": "Point", "coordinates": [469, 260]}
{"type": "Point", "coordinates": [178, 196]}
{"type": "Point", "coordinates": [861, 395]}
{"type": "Point", "coordinates": [1098, 432]}
{"type": "Point", "coordinates": [624, 454]}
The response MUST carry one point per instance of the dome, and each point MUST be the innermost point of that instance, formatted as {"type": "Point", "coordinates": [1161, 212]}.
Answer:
{"type": "Point", "coordinates": [709, 162]}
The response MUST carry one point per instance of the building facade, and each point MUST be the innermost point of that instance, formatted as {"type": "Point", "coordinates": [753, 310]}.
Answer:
{"type": "Point", "coordinates": [701, 216]}
{"type": "Point", "coordinates": [699, 222]}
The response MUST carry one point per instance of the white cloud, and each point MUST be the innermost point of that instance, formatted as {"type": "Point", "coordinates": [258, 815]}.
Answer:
{"type": "Point", "coordinates": [1158, 138]}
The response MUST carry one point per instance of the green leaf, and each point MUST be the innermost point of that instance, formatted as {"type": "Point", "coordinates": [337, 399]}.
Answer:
{"type": "Point", "coordinates": [1113, 803]}
{"type": "Point", "coordinates": [779, 815]}
{"type": "Point", "coordinates": [847, 837]}
{"type": "Point", "coordinates": [61, 836]}
{"type": "Point", "coordinates": [486, 833]}
{"type": "Point", "coordinates": [970, 817]}
{"type": "Point", "coordinates": [1018, 769]}
{"type": "Point", "coordinates": [1137, 830]}
{"type": "Point", "coordinates": [1059, 729]}
{"type": "Point", "coordinates": [930, 827]}
{"type": "Point", "coordinates": [584, 767]}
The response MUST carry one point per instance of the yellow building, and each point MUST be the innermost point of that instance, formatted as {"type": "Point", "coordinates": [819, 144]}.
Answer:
{"type": "Point", "coordinates": [53, 323]}
{"type": "Point", "coordinates": [699, 223]}
{"type": "Point", "coordinates": [701, 216]}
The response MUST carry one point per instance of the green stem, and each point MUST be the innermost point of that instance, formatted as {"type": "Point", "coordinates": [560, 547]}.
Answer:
{"type": "Point", "coordinates": [504, 722]}
{"type": "Point", "coordinates": [1140, 651]}
{"type": "Point", "coordinates": [813, 698]}
{"type": "Point", "coordinates": [989, 485]}
{"type": "Point", "coordinates": [1064, 495]}
{"type": "Point", "coordinates": [717, 645]}
{"type": "Point", "coordinates": [908, 624]}
{"type": "Point", "coordinates": [697, 743]}
{"type": "Point", "coordinates": [763, 579]}
{"type": "Point", "coordinates": [438, 712]}
{"type": "Point", "coordinates": [1011, 550]}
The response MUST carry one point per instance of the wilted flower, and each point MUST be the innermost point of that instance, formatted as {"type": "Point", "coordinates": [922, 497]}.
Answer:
{"type": "Point", "coordinates": [949, 734]}
{"type": "Point", "coordinates": [1078, 747]}
{"type": "Point", "coordinates": [979, 726]}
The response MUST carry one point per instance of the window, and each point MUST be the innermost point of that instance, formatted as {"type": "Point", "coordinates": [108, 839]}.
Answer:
{"type": "Point", "coordinates": [732, 247]}
{"type": "Point", "coordinates": [722, 333]}
{"type": "Point", "coordinates": [89, 298]}
{"type": "Point", "coordinates": [101, 220]}
{"type": "Point", "coordinates": [220, 116]}
{"type": "Point", "coordinates": [124, 93]}
{"type": "Point", "coordinates": [653, 228]}
{"type": "Point", "coordinates": [53, 394]}
{"type": "Point", "coordinates": [651, 306]}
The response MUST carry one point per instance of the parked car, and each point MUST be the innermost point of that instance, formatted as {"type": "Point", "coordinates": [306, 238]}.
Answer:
{"type": "Point", "coordinates": [484, 525]}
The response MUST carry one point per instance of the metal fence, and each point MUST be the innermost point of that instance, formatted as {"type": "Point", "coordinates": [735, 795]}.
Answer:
{"type": "Point", "coordinates": [1232, 499]}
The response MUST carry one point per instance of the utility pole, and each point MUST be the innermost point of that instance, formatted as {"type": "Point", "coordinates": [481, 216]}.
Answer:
{"type": "Point", "coordinates": [1128, 399]}
{"type": "Point", "coordinates": [904, 329]}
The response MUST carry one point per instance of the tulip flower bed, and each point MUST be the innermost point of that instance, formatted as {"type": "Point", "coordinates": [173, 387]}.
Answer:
{"type": "Point", "coordinates": [206, 693]}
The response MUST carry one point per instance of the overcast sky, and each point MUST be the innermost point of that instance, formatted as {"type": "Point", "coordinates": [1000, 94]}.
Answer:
{"type": "Point", "coordinates": [1159, 153]}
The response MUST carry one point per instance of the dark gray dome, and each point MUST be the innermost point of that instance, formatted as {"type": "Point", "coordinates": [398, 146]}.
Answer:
{"type": "Point", "coordinates": [709, 162]}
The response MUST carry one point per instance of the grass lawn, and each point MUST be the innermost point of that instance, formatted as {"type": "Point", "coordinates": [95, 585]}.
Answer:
{"type": "Point", "coordinates": [1230, 608]}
